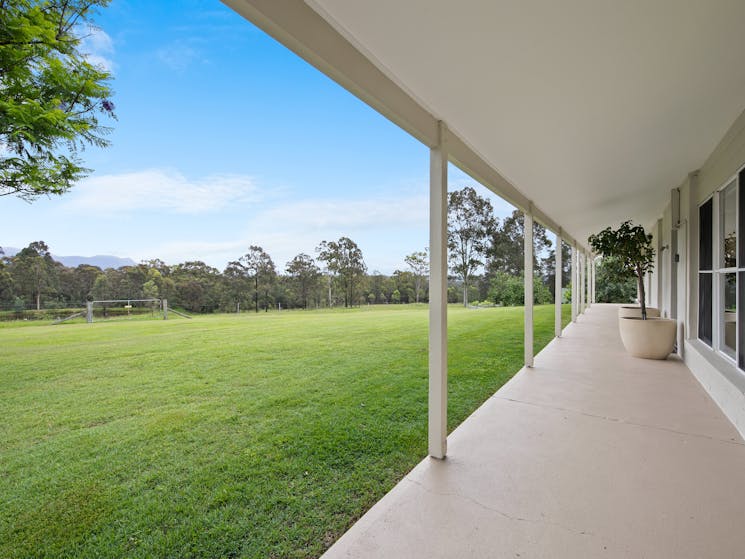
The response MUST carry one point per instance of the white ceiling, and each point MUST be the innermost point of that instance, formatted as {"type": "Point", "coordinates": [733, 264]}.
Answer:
{"type": "Point", "coordinates": [594, 109]}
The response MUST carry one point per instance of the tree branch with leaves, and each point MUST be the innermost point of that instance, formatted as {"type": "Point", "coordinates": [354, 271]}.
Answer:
{"type": "Point", "coordinates": [51, 97]}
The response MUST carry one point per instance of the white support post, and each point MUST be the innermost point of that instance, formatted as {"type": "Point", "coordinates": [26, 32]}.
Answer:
{"type": "Point", "coordinates": [438, 350]}
{"type": "Point", "coordinates": [528, 288]}
{"type": "Point", "coordinates": [586, 283]}
{"type": "Point", "coordinates": [582, 282]}
{"type": "Point", "coordinates": [558, 265]}
{"type": "Point", "coordinates": [592, 283]}
{"type": "Point", "coordinates": [575, 282]}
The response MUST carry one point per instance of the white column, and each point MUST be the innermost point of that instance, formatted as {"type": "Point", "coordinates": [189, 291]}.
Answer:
{"type": "Point", "coordinates": [592, 293]}
{"type": "Point", "coordinates": [581, 281]}
{"type": "Point", "coordinates": [575, 282]}
{"type": "Point", "coordinates": [583, 271]}
{"type": "Point", "coordinates": [438, 348]}
{"type": "Point", "coordinates": [528, 288]}
{"type": "Point", "coordinates": [558, 265]}
{"type": "Point", "coordinates": [588, 281]}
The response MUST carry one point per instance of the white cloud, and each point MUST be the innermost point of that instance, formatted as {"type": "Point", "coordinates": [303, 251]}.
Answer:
{"type": "Point", "coordinates": [161, 190]}
{"type": "Point", "coordinates": [285, 230]}
{"type": "Point", "coordinates": [357, 214]}
{"type": "Point", "coordinates": [97, 47]}
{"type": "Point", "coordinates": [178, 55]}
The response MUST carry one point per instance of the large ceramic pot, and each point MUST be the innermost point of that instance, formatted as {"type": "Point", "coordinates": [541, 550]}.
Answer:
{"type": "Point", "coordinates": [653, 338]}
{"type": "Point", "coordinates": [652, 312]}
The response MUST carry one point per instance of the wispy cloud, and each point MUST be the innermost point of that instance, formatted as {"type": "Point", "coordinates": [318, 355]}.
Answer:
{"type": "Point", "coordinates": [97, 47]}
{"type": "Point", "coordinates": [357, 214]}
{"type": "Point", "coordinates": [179, 55]}
{"type": "Point", "coordinates": [162, 190]}
{"type": "Point", "coordinates": [286, 229]}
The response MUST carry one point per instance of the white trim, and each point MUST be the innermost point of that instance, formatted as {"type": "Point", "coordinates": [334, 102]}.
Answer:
{"type": "Point", "coordinates": [724, 383]}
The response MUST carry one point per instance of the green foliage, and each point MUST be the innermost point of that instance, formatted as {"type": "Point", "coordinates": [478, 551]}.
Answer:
{"type": "Point", "coordinates": [51, 97]}
{"type": "Point", "coordinates": [419, 264]}
{"type": "Point", "coordinates": [344, 261]}
{"type": "Point", "coordinates": [33, 272]}
{"type": "Point", "coordinates": [259, 267]}
{"type": "Point", "coordinates": [305, 276]}
{"type": "Point", "coordinates": [506, 250]}
{"type": "Point", "coordinates": [632, 247]}
{"type": "Point", "coordinates": [508, 290]}
{"type": "Point", "coordinates": [228, 435]}
{"type": "Point", "coordinates": [611, 284]}
{"type": "Point", "coordinates": [470, 223]}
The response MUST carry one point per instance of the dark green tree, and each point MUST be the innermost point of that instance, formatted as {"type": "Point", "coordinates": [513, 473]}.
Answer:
{"type": "Point", "coordinates": [507, 247]}
{"type": "Point", "coordinates": [344, 261]}
{"type": "Point", "coordinates": [34, 272]}
{"type": "Point", "coordinates": [196, 286]}
{"type": "Point", "coordinates": [6, 280]}
{"type": "Point", "coordinates": [549, 265]}
{"type": "Point", "coordinates": [509, 290]}
{"type": "Point", "coordinates": [304, 276]}
{"type": "Point", "coordinates": [632, 247]}
{"type": "Point", "coordinates": [236, 284]}
{"type": "Point", "coordinates": [76, 284]}
{"type": "Point", "coordinates": [51, 97]}
{"type": "Point", "coordinates": [470, 224]}
{"type": "Point", "coordinates": [612, 285]}
{"type": "Point", "coordinates": [260, 268]}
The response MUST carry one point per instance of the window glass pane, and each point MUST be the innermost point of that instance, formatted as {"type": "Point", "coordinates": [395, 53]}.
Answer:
{"type": "Point", "coordinates": [704, 307]}
{"type": "Point", "coordinates": [728, 208]}
{"type": "Point", "coordinates": [741, 321]}
{"type": "Point", "coordinates": [705, 233]}
{"type": "Point", "coordinates": [729, 314]}
{"type": "Point", "coordinates": [741, 213]}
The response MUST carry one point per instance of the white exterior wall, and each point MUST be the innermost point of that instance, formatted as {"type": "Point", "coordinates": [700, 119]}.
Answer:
{"type": "Point", "coordinates": [724, 382]}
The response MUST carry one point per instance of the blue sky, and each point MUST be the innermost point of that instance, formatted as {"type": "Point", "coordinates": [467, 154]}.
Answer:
{"type": "Point", "coordinates": [227, 139]}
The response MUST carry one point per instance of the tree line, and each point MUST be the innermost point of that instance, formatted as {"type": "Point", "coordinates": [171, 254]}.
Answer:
{"type": "Point", "coordinates": [485, 258]}
{"type": "Point", "coordinates": [337, 276]}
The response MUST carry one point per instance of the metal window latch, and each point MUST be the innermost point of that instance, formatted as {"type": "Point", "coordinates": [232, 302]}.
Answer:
{"type": "Point", "coordinates": [677, 257]}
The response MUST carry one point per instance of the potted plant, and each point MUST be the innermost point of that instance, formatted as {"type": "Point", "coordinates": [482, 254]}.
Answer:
{"type": "Point", "coordinates": [644, 335]}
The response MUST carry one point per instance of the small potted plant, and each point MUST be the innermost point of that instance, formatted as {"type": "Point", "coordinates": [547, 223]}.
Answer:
{"type": "Point", "coordinates": [643, 335]}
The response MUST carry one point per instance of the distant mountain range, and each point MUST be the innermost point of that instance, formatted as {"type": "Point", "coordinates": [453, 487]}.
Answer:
{"type": "Point", "coordinates": [103, 261]}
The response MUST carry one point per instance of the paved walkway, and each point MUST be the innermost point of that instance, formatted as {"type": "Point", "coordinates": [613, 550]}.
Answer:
{"type": "Point", "coordinates": [592, 453]}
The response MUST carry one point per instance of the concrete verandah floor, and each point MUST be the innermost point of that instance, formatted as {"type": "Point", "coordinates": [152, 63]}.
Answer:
{"type": "Point", "coordinates": [592, 453]}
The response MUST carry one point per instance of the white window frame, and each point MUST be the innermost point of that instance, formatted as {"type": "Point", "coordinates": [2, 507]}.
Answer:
{"type": "Point", "coordinates": [719, 273]}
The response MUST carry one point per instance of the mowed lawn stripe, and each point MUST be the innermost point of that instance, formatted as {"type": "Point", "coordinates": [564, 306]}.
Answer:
{"type": "Point", "coordinates": [226, 436]}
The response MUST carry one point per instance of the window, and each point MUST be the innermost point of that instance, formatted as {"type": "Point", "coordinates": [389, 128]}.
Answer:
{"type": "Point", "coordinates": [705, 274]}
{"type": "Point", "coordinates": [727, 270]}
{"type": "Point", "coordinates": [721, 272]}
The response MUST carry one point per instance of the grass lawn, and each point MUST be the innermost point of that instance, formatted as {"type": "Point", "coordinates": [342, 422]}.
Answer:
{"type": "Point", "coordinates": [226, 436]}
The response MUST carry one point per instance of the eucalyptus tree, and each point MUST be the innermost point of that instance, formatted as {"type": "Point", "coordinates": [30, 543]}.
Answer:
{"type": "Point", "coordinates": [470, 224]}
{"type": "Point", "coordinates": [235, 282]}
{"type": "Point", "coordinates": [506, 248]}
{"type": "Point", "coordinates": [262, 272]}
{"type": "Point", "coordinates": [304, 275]}
{"type": "Point", "coordinates": [419, 264]}
{"type": "Point", "coordinates": [345, 262]}
{"type": "Point", "coordinates": [51, 95]}
{"type": "Point", "coordinates": [34, 271]}
{"type": "Point", "coordinates": [6, 280]}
